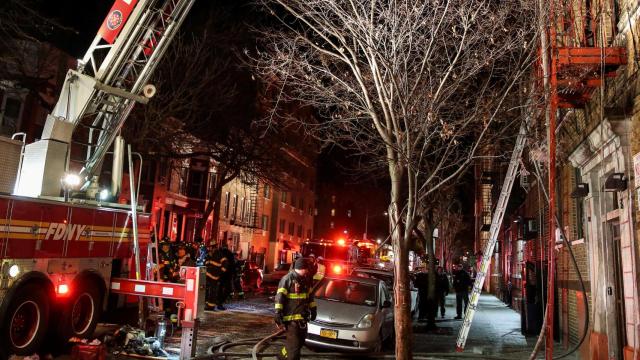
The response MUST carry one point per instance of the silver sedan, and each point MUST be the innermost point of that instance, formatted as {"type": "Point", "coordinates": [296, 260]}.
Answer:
{"type": "Point", "coordinates": [354, 314]}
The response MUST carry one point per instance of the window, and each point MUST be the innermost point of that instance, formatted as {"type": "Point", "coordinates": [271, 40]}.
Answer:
{"type": "Point", "coordinates": [10, 114]}
{"type": "Point", "coordinates": [333, 212]}
{"type": "Point", "coordinates": [333, 199]}
{"type": "Point", "coordinates": [299, 230]}
{"type": "Point", "coordinates": [227, 201]}
{"type": "Point", "coordinates": [234, 207]}
{"type": "Point", "coordinates": [348, 213]}
{"type": "Point", "coordinates": [243, 209]}
{"type": "Point", "coordinates": [265, 222]}
{"type": "Point", "coordinates": [247, 213]}
{"type": "Point", "coordinates": [331, 225]}
{"type": "Point", "coordinates": [292, 228]}
{"type": "Point", "coordinates": [308, 233]}
{"type": "Point", "coordinates": [284, 197]}
{"type": "Point", "coordinates": [197, 182]}
{"type": "Point", "coordinates": [267, 191]}
{"type": "Point", "coordinates": [293, 199]}
{"type": "Point", "coordinates": [310, 211]}
{"type": "Point", "coordinates": [282, 225]}
{"type": "Point", "coordinates": [301, 203]}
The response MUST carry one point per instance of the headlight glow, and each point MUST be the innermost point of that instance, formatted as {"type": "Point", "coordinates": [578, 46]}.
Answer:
{"type": "Point", "coordinates": [14, 270]}
{"type": "Point", "coordinates": [366, 322]}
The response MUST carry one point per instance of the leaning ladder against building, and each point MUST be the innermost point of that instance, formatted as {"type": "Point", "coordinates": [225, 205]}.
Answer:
{"type": "Point", "coordinates": [496, 221]}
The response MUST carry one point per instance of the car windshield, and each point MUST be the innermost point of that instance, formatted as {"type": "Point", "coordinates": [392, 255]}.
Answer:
{"type": "Point", "coordinates": [350, 292]}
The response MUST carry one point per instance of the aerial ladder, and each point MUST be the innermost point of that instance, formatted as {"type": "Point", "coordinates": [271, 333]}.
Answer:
{"type": "Point", "coordinates": [496, 222]}
{"type": "Point", "coordinates": [97, 98]}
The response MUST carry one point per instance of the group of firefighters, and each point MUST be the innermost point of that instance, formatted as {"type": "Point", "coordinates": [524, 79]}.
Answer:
{"type": "Point", "coordinates": [224, 270]}
{"type": "Point", "coordinates": [294, 302]}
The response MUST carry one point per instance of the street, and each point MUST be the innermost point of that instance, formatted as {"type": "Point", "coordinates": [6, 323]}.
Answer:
{"type": "Point", "coordinates": [495, 332]}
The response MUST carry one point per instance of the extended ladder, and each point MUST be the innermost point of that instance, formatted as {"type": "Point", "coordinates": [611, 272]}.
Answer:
{"type": "Point", "coordinates": [496, 221]}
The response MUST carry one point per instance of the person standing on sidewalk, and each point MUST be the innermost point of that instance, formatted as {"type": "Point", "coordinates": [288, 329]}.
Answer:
{"type": "Point", "coordinates": [442, 289]}
{"type": "Point", "coordinates": [294, 309]}
{"type": "Point", "coordinates": [461, 284]}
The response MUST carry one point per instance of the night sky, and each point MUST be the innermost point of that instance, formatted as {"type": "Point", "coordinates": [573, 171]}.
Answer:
{"type": "Point", "coordinates": [82, 20]}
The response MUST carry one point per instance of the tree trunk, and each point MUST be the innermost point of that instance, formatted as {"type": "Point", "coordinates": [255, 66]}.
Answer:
{"type": "Point", "coordinates": [402, 293]}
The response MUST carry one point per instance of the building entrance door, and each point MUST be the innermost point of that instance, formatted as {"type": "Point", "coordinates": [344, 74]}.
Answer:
{"type": "Point", "coordinates": [613, 229]}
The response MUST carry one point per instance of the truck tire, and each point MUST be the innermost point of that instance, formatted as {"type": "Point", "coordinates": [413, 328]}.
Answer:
{"type": "Point", "coordinates": [80, 314]}
{"type": "Point", "coordinates": [26, 321]}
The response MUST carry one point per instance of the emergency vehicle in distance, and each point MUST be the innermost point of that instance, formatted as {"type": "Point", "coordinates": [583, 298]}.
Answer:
{"type": "Point", "coordinates": [336, 253]}
{"type": "Point", "coordinates": [63, 236]}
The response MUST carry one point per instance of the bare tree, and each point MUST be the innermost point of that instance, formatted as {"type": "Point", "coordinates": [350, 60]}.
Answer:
{"type": "Point", "coordinates": [412, 85]}
{"type": "Point", "coordinates": [206, 106]}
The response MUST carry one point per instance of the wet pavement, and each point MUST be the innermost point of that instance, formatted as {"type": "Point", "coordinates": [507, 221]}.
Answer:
{"type": "Point", "coordinates": [495, 332]}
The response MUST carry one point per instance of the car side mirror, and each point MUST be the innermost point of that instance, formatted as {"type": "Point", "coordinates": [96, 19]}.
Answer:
{"type": "Point", "coordinates": [386, 304]}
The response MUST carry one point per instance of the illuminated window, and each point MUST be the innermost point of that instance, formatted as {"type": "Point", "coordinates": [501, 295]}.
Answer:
{"type": "Point", "coordinates": [332, 225]}
{"type": "Point", "coordinates": [333, 212]}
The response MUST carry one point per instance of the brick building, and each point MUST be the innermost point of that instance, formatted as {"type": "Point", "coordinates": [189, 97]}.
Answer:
{"type": "Point", "coordinates": [597, 190]}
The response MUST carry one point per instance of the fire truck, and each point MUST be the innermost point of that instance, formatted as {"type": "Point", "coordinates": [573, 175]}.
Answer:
{"type": "Point", "coordinates": [337, 255]}
{"type": "Point", "coordinates": [63, 235]}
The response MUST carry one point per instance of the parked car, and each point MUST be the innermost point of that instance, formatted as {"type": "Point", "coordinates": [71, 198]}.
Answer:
{"type": "Point", "coordinates": [354, 314]}
{"type": "Point", "coordinates": [387, 277]}
{"type": "Point", "coordinates": [271, 280]}
{"type": "Point", "coordinates": [251, 276]}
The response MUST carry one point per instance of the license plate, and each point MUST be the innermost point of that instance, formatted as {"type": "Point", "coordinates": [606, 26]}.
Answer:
{"type": "Point", "coordinates": [331, 334]}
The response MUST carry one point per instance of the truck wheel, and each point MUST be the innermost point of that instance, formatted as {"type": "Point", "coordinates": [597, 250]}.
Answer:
{"type": "Point", "coordinates": [26, 321]}
{"type": "Point", "coordinates": [79, 315]}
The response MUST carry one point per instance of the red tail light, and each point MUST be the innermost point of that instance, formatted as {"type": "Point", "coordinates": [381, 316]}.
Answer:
{"type": "Point", "coordinates": [337, 269]}
{"type": "Point", "coordinates": [62, 290]}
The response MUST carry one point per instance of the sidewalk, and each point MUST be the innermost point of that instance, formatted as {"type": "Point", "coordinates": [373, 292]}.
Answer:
{"type": "Point", "coordinates": [495, 331]}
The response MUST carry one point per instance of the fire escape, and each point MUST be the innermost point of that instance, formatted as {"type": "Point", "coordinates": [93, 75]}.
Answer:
{"type": "Point", "coordinates": [582, 48]}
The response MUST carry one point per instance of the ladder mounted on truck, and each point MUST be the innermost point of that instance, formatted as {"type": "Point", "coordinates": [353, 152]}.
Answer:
{"type": "Point", "coordinates": [97, 98]}
{"type": "Point", "coordinates": [496, 222]}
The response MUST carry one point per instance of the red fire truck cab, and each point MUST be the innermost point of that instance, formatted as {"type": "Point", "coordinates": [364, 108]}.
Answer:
{"type": "Point", "coordinates": [56, 262]}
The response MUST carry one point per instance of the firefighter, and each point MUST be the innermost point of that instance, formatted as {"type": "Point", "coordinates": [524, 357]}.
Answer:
{"type": "Point", "coordinates": [183, 257]}
{"type": "Point", "coordinates": [226, 280]}
{"type": "Point", "coordinates": [213, 278]}
{"type": "Point", "coordinates": [319, 275]}
{"type": "Point", "coordinates": [238, 269]}
{"type": "Point", "coordinates": [166, 263]}
{"type": "Point", "coordinates": [219, 268]}
{"type": "Point", "coordinates": [294, 308]}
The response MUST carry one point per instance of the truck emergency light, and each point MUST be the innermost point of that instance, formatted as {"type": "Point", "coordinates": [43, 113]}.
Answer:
{"type": "Point", "coordinates": [341, 242]}
{"type": "Point", "coordinates": [337, 269]}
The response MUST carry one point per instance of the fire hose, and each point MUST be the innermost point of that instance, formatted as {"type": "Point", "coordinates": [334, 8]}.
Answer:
{"type": "Point", "coordinates": [259, 344]}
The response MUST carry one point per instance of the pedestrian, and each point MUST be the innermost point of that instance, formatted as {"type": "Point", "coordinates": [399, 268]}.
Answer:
{"type": "Point", "coordinates": [422, 283]}
{"type": "Point", "coordinates": [461, 284]}
{"type": "Point", "coordinates": [442, 290]}
{"type": "Point", "coordinates": [295, 307]}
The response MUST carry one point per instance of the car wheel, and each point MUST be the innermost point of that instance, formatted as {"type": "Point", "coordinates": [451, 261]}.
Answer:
{"type": "Point", "coordinates": [26, 321]}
